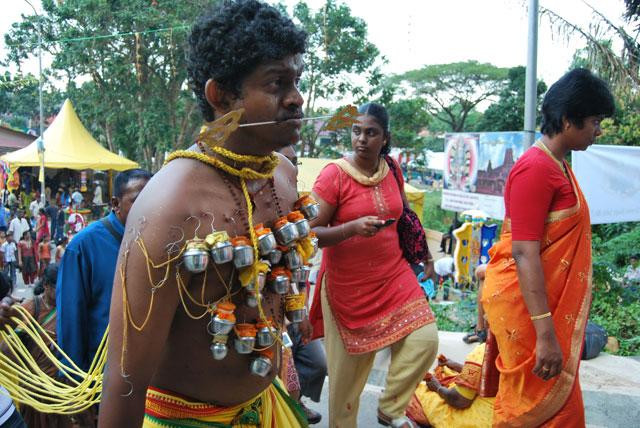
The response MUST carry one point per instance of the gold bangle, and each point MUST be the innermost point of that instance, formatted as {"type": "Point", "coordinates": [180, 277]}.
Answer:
{"type": "Point", "coordinates": [539, 317]}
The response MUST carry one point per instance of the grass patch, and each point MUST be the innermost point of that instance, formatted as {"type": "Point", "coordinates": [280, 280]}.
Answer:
{"type": "Point", "coordinates": [436, 218]}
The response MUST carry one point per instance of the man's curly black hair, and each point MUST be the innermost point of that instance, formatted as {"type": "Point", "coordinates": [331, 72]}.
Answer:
{"type": "Point", "coordinates": [230, 41]}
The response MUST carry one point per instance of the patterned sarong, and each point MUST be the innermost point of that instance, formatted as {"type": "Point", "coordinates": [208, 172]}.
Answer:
{"type": "Point", "coordinates": [270, 409]}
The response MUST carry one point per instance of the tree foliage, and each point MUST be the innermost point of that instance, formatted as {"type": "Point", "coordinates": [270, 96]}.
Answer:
{"type": "Point", "coordinates": [408, 119]}
{"type": "Point", "coordinates": [19, 101]}
{"type": "Point", "coordinates": [507, 114]}
{"type": "Point", "coordinates": [134, 97]}
{"type": "Point", "coordinates": [621, 69]}
{"type": "Point", "coordinates": [337, 51]}
{"type": "Point", "coordinates": [452, 91]}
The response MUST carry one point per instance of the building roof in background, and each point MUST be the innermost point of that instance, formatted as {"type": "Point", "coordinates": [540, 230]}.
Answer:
{"type": "Point", "coordinates": [11, 139]}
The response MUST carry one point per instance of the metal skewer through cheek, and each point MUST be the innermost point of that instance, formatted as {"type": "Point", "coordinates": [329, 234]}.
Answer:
{"type": "Point", "coordinates": [272, 122]}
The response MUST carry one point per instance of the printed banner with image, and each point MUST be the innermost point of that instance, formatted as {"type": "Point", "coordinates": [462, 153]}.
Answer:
{"type": "Point", "coordinates": [476, 169]}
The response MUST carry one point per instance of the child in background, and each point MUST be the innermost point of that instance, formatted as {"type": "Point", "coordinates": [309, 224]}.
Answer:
{"type": "Point", "coordinates": [44, 253]}
{"type": "Point", "coordinates": [62, 246]}
{"type": "Point", "coordinates": [27, 259]}
{"type": "Point", "coordinates": [9, 252]}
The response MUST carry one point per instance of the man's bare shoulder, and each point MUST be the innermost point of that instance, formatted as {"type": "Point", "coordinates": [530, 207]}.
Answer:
{"type": "Point", "coordinates": [181, 189]}
{"type": "Point", "coordinates": [285, 167]}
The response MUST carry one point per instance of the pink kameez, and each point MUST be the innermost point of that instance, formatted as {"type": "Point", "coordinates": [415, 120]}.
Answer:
{"type": "Point", "coordinates": [374, 295]}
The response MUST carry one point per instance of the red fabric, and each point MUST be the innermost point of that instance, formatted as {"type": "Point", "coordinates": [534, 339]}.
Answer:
{"type": "Point", "coordinates": [535, 187]}
{"type": "Point", "coordinates": [369, 284]}
{"type": "Point", "coordinates": [43, 227]}
{"type": "Point", "coordinates": [27, 251]}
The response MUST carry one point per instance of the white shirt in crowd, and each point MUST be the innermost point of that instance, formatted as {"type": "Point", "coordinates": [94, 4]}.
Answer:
{"type": "Point", "coordinates": [18, 227]}
{"type": "Point", "coordinates": [34, 207]}
{"type": "Point", "coordinates": [77, 197]}
{"type": "Point", "coordinates": [97, 195]}
{"type": "Point", "coordinates": [9, 250]}
{"type": "Point", "coordinates": [444, 266]}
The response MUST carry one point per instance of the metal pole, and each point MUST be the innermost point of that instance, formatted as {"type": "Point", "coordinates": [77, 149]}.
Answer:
{"type": "Point", "coordinates": [531, 93]}
{"type": "Point", "coordinates": [41, 112]}
{"type": "Point", "coordinates": [43, 197]}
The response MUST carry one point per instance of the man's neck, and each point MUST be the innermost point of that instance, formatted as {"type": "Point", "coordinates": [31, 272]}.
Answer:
{"type": "Point", "coordinates": [244, 144]}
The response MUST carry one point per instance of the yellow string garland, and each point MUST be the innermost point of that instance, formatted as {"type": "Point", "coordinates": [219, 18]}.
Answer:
{"type": "Point", "coordinates": [28, 384]}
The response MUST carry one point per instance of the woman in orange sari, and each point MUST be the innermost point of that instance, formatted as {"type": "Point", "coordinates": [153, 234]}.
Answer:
{"type": "Point", "coordinates": [537, 291]}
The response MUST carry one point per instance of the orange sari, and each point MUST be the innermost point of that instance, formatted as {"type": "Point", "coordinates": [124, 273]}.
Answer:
{"type": "Point", "coordinates": [523, 399]}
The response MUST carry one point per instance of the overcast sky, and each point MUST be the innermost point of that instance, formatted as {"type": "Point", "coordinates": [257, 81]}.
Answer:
{"type": "Point", "coordinates": [413, 33]}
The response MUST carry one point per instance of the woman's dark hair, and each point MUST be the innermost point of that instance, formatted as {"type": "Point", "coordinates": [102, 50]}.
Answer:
{"type": "Point", "coordinates": [49, 277]}
{"type": "Point", "coordinates": [379, 113]}
{"type": "Point", "coordinates": [577, 95]}
{"type": "Point", "coordinates": [41, 211]}
{"type": "Point", "coordinates": [230, 41]}
{"type": "Point", "coordinates": [123, 178]}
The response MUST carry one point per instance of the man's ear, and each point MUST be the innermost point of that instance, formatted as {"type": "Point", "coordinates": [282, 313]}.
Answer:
{"type": "Point", "coordinates": [219, 98]}
{"type": "Point", "coordinates": [115, 204]}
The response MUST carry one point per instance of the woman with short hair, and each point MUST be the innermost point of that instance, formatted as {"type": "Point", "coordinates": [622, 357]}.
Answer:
{"type": "Point", "coordinates": [537, 290]}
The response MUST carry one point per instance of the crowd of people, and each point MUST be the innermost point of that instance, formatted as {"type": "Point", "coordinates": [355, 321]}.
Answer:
{"type": "Point", "coordinates": [168, 367]}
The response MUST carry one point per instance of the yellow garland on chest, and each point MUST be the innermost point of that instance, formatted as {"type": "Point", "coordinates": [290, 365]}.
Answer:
{"type": "Point", "coordinates": [268, 165]}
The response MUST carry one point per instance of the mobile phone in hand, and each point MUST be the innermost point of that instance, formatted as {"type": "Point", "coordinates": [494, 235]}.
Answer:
{"type": "Point", "coordinates": [387, 222]}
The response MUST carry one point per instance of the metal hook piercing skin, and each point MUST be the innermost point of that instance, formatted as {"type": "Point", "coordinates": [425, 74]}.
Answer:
{"type": "Point", "coordinates": [128, 382]}
{"type": "Point", "coordinates": [195, 232]}
{"type": "Point", "coordinates": [173, 246]}
{"type": "Point", "coordinates": [213, 220]}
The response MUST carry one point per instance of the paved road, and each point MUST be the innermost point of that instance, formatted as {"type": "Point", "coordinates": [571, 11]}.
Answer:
{"type": "Point", "coordinates": [610, 385]}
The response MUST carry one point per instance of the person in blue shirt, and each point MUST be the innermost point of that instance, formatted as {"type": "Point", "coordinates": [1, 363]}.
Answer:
{"type": "Point", "coordinates": [4, 214]}
{"type": "Point", "coordinates": [86, 272]}
{"type": "Point", "coordinates": [65, 198]}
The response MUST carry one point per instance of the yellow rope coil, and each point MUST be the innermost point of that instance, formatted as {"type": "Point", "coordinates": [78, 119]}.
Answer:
{"type": "Point", "coordinates": [78, 390]}
{"type": "Point", "coordinates": [28, 384]}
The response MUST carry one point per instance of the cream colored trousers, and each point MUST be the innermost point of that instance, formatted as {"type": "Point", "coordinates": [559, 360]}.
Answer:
{"type": "Point", "coordinates": [411, 357]}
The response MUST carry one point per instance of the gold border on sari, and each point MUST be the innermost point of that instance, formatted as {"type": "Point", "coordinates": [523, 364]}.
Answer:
{"type": "Point", "coordinates": [556, 397]}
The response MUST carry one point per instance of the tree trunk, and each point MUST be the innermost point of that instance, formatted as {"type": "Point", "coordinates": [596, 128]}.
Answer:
{"type": "Point", "coordinates": [107, 133]}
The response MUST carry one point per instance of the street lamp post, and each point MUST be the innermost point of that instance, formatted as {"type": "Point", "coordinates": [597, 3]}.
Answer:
{"type": "Point", "coordinates": [531, 93]}
{"type": "Point", "coordinates": [41, 143]}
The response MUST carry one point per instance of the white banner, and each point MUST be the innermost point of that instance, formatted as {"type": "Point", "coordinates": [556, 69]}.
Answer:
{"type": "Point", "coordinates": [609, 177]}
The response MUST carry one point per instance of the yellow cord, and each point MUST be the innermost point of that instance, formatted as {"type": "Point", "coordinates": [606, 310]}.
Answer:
{"type": "Point", "coordinates": [79, 390]}
{"type": "Point", "coordinates": [29, 385]}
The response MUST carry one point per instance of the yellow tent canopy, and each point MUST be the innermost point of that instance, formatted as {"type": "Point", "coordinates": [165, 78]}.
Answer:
{"type": "Point", "coordinates": [68, 144]}
{"type": "Point", "coordinates": [309, 169]}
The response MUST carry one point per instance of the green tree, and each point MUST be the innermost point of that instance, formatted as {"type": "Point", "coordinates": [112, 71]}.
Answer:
{"type": "Point", "coordinates": [507, 114]}
{"type": "Point", "coordinates": [624, 127]}
{"type": "Point", "coordinates": [621, 68]}
{"type": "Point", "coordinates": [19, 102]}
{"type": "Point", "coordinates": [453, 91]}
{"type": "Point", "coordinates": [135, 96]}
{"type": "Point", "coordinates": [337, 49]}
{"type": "Point", "coordinates": [408, 119]}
